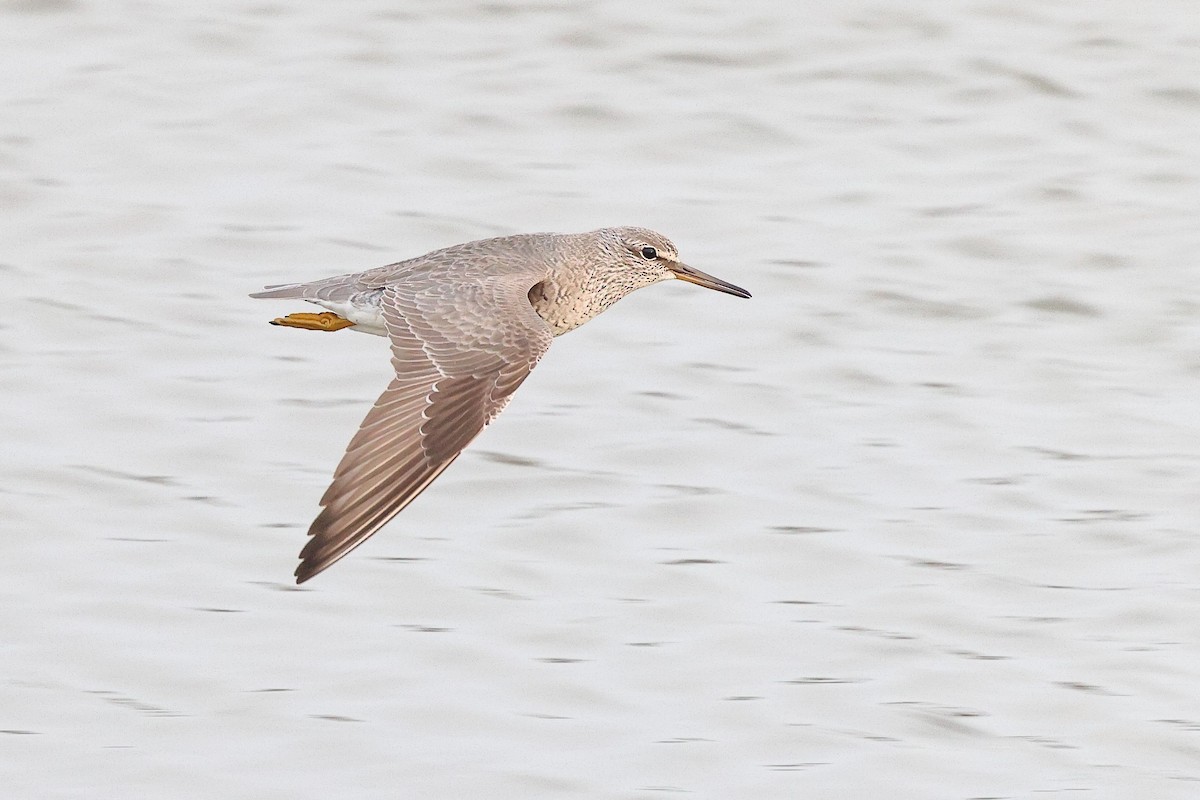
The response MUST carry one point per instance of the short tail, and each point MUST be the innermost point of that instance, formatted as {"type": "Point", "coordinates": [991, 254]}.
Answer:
{"type": "Point", "coordinates": [282, 290]}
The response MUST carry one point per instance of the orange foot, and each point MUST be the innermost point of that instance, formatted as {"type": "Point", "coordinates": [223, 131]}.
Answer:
{"type": "Point", "coordinates": [325, 321]}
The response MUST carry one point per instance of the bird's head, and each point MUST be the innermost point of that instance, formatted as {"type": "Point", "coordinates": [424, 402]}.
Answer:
{"type": "Point", "coordinates": [648, 257]}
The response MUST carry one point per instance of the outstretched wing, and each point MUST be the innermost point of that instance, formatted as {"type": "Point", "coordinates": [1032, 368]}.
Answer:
{"type": "Point", "coordinates": [460, 350]}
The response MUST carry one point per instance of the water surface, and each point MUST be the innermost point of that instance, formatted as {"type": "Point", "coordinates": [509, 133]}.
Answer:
{"type": "Point", "coordinates": [919, 520]}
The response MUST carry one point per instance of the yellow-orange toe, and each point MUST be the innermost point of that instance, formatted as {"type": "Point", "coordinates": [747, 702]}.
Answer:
{"type": "Point", "coordinates": [325, 321]}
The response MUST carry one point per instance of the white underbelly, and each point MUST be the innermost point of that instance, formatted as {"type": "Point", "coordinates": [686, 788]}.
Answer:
{"type": "Point", "coordinates": [366, 318]}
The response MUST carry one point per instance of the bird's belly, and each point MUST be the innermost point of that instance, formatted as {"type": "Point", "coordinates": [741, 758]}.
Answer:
{"type": "Point", "coordinates": [365, 316]}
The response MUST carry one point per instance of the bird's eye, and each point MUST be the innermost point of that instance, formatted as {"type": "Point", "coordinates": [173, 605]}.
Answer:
{"type": "Point", "coordinates": [649, 253]}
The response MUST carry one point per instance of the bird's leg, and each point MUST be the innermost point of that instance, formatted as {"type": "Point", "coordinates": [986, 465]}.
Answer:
{"type": "Point", "coordinates": [325, 321]}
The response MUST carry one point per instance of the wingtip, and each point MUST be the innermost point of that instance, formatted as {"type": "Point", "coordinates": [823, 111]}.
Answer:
{"type": "Point", "coordinates": [312, 561]}
{"type": "Point", "coordinates": [309, 568]}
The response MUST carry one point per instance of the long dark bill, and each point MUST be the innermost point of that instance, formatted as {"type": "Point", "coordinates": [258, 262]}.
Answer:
{"type": "Point", "coordinates": [686, 273]}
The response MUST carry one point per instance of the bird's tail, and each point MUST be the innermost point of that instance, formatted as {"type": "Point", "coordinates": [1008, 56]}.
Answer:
{"type": "Point", "coordinates": [282, 290]}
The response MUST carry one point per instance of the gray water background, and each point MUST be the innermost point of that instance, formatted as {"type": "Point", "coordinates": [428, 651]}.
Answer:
{"type": "Point", "coordinates": [919, 520]}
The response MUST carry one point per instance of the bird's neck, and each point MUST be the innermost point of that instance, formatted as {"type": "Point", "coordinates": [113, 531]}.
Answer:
{"type": "Point", "coordinates": [571, 296]}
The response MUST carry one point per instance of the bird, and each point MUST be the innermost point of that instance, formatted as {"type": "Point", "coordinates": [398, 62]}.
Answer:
{"type": "Point", "coordinates": [466, 325]}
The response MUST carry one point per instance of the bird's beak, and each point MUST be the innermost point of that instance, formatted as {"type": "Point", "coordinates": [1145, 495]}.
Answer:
{"type": "Point", "coordinates": [686, 273]}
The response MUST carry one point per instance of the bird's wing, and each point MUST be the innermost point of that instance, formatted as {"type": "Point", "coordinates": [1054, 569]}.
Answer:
{"type": "Point", "coordinates": [460, 350]}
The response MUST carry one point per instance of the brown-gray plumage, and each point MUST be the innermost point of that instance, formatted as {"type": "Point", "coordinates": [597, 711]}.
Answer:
{"type": "Point", "coordinates": [466, 325]}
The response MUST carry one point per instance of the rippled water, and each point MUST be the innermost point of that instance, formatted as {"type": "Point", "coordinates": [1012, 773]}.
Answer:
{"type": "Point", "coordinates": [919, 520]}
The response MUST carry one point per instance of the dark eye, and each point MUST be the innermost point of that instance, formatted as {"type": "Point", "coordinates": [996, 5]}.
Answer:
{"type": "Point", "coordinates": [649, 252]}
